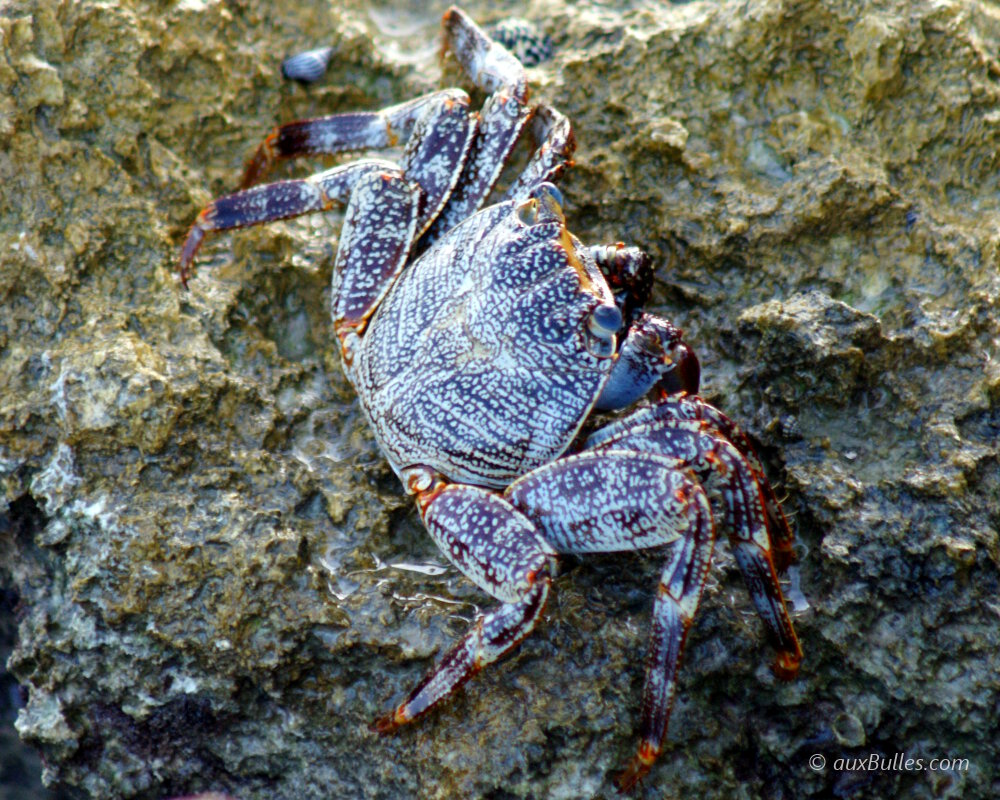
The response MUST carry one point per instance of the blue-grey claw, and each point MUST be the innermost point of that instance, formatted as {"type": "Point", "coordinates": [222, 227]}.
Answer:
{"type": "Point", "coordinates": [307, 67]}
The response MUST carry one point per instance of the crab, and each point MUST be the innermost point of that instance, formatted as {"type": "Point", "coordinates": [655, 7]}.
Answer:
{"type": "Point", "coordinates": [484, 344]}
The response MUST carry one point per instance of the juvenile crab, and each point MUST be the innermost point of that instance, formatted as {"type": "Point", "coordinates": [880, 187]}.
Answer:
{"type": "Point", "coordinates": [481, 341]}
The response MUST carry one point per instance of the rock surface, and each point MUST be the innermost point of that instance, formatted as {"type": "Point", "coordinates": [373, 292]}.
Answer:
{"type": "Point", "coordinates": [221, 583]}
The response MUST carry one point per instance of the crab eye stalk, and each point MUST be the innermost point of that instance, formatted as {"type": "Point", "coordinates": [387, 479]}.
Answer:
{"type": "Point", "coordinates": [603, 323]}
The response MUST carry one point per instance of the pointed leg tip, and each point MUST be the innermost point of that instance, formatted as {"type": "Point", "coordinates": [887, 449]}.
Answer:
{"type": "Point", "coordinates": [261, 162]}
{"type": "Point", "coordinates": [450, 20]}
{"type": "Point", "coordinates": [637, 768]}
{"type": "Point", "coordinates": [191, 245]}
{"type": "Point", "coordinates": [786, 666]}
{"type": "Point", "coordinates": [455, 16]}
{"type": "Point", "coordinates": [184, 274]}
{"type": "Point", "coordinates": [389, 723]}
{"type": "Point", "coordinates": [628, 780]}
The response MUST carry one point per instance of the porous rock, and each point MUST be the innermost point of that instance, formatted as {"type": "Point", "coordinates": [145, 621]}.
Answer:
{"type": "Point", "coordinates": [221, 583]}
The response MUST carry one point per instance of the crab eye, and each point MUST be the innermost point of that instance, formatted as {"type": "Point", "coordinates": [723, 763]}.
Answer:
{"type": "Point", "coordinates": [527, 212]}
{"type": "Point", "coordinates": [605, 321]}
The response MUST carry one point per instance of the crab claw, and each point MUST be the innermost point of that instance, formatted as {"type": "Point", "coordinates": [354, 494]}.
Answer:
{"type": "Point", "coordinates": [686, 373]}
{"type": "Point", "coordinates": [653, 356]}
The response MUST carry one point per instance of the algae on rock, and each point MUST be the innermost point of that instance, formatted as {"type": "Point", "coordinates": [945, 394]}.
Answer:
{"type": "Point", "coordinates": [221, 582]}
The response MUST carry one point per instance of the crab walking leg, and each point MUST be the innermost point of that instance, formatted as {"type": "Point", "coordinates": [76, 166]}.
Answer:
{"type": "Point", "coordinates": [493, 69]}
{"type": "Point", "coordinates": [677, 598]}
{"type": "Point", "coordinates": [723, 468]}
{"type": "Point", "coordinates": [691, 407]}
{"type": "Point", "coordinates": [554, 148]}
{"type": "Point", "coordinates": [492, 635]}
{"type": "Point", "coordinates": [622, 500]}
{"type": "Point", "coordinates": [436, 152]}
{"type": "Point", "coordinates": [388, 207]}
{"type": "Point", "coordinates": [354, 131]}
{"type": "Point", "coordinates": [499, 549]}
{"type": "Point", "coordinates": [280, 200]}
{"type": "Point", "coordinates": [782, 538]}
{"type": "Point", "coordinates": [379, 229]}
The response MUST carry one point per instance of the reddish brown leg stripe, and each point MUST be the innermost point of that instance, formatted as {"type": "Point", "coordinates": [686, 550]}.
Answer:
{"type": "Point", "coordinates": [765, 593]}
{"type": "Point", "coordinates": [683, 579]}
{"type": "Point", "coordinates": [499, 548]}
{"type": "Point", "coordinates": [251, 207]}
{"type": "Point", "coordinates": [697, 435]}
{"type": "Point", "coordinates": [638, 767]}
{"type": "Point", "coordinates": [332, 134]}
{"type": "Point", "coordinates": [619, 500]}
{"type": "Point", "coordinates": [786, 665]}
{"type": "Point", "coordinates": [726, 470]}
{"type": "Point", "coordinates": [274, 201]}
{"type": "Point", "coordinates": [306, 137]}
{"type": "Point", "coordinates": [341, 132]}
{"type": "Point", "coordinates": [261, 161]}
{"type": "Point", "coordinates": [780, 532]}
{"type": "Point", "coordinates": [191, 245]}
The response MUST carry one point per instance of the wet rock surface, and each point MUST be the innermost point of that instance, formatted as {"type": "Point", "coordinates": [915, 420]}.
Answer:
{"type": "Point", "coordinates": [219, 581]}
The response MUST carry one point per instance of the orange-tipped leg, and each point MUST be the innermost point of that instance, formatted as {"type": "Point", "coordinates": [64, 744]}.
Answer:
{"type": "Point", "coordinates": [603, 499]}
{"type": "Point", "coordinates": [497, 547]}
{"type": "Point", "coordinates": [262, 160]}
{"type": "Point", "coordinates": [492, 635]}
{"type": "Point", "coordinates": [191, 245]}
{"type": "Point", "coordinates": [786, 665]}
{"type": "Point", "coordinates": [273, 201]}
{"type": "Point", "coordinates": [388, 723]}
{"type": "Point", "coordinates": [637, 768]}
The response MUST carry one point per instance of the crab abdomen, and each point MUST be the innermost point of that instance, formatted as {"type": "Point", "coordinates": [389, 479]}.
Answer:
{"type": "Point", "coordinates": [480, 363]}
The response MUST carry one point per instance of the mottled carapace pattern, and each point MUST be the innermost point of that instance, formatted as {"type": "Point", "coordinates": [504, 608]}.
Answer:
{"type": "Point", "coordinates": [497, 353]}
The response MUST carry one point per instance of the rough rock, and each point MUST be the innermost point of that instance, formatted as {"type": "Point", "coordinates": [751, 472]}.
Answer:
{"type": "Point", "coordinates": [221, 583]}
